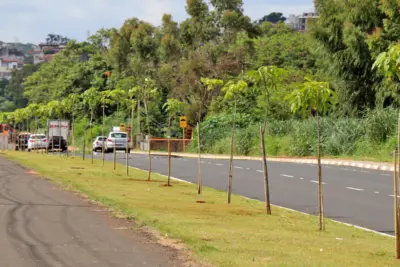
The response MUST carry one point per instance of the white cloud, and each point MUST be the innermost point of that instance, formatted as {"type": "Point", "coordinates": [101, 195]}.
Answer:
{"type": "Point", "coordinates": [32, 20]}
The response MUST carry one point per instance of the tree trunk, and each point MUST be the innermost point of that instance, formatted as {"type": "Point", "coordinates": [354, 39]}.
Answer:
{"type": "Point", "coordinates": [396, 207]}
{"type": "Point", "coordinates": [132, 126]}
{"type": "Point", "coordinates": [320, 189]}
{"type": "Point", "coordinates": [169, 151]}
{"type": "Point", "coordinates": [114, 156]}
{"type": "Point", "coordinates": [199, 174]}
{"type": "Point", "coordinates": [149, 134]}
{"type": "Point", "coordinates": [73, 130]}
{"type": "Point", "coordinates": [138, 122]}
{"type": "Point", "coordinates": [127, 150]}
{"type": "Point", "coordinates": [102, 134]}
{"type": "Point", "coordinates": [127, 155]}
{"type": "Point", "coordinates": [265, 168]}
{"type": "Point", "coordinates": [84, 144]}
{"type": "Point", "coordinates": [91, 133]}
{"type": "Point", "coordinates": [59, 128]}
{"type": "Point", "coordinates": [230, 178]}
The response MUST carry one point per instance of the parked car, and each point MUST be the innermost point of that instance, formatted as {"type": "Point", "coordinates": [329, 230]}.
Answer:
{"type": "Point", "coordinates": [117, 141]}
{"type": "Point", "coordinates": [57, 143]}
{"type": "Point", "coordinates": [21, 142]}
{"type": "Point", "coordinates": [37, 141]}
{"type": "Point", "coordinates": [98, 143]}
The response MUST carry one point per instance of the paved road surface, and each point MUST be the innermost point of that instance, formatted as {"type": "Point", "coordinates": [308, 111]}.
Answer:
{"type": "Point", "coordinates": [352, 195]}
{"type": "Point", "coordinates": [44, 226]}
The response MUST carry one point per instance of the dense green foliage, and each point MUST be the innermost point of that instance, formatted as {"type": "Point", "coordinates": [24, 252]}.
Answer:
{"type": "Point", "coordinates": [151, 64]}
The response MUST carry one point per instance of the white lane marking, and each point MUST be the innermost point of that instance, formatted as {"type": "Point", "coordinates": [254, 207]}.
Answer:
{"type": "Point", "coordinates": [386, 174]}
{"type": "Point", "coordinates": [203, 162]}
{"type": "Point", "coordinates": [328, 167]}
{"type": "Point", "coordinates": [355, 189]}
{"type": "Point", "coordinates": [316, 182]}
{"type": "Point", "coordinates": [248, 169]}
{"type": "Point", "coordinates": [260, 171]}
{"type": "Point", "coordinates": [376, 192]}
{"type": "Point", "coordinates": [237, 167]}
{"type": "Point", "coordinates": [301, 178]}
{"type": "Point", "coordinates": [220, 164]}
{"type": "Point", "coordinates": [393, 196]}
{"type": "Point", "coordinates": [365, 172]}
{"type": "Point", "coordinates": [185, 159]}
{"type": "Point", "coordinates": [285, 175]}
{"type": "Point", "coordinates": [344, 169]}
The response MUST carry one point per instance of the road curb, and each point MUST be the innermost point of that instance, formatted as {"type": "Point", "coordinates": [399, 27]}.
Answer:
{"type": "Point", "coordinates": [347, 163]}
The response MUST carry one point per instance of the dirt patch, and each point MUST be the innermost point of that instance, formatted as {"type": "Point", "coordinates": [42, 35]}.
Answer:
{"type": "Point", "coordinates": [32, 172]}
{"type": "Point", "coordinates": [144, 181]}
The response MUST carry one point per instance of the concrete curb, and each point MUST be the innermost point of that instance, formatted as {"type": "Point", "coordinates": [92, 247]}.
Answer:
{"type": "Point", "coordinates": [347, 163]}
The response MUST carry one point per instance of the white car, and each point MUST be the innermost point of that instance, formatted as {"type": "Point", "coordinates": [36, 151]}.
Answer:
{"type": "Point", "coordinates": [98, 143]}
{"type": "Point", "coordinates": [117, 141]}
{"type": "Point", "coordinates": [37, 141]}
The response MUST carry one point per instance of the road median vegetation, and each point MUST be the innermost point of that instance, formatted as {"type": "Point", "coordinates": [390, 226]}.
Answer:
{"type": "Point", "coordinates": [239, 234]}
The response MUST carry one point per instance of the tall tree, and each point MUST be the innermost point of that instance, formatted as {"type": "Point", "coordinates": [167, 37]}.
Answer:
{"type": "Point", "coordinates": [273, 17]}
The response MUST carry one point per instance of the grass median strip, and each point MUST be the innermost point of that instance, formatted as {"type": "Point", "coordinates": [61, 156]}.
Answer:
{"type": "Point", "coordinates": [240, 234]}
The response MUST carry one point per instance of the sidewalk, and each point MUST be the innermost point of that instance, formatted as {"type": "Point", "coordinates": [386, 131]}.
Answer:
{"type": "Point", "coordinates": [383, 166]}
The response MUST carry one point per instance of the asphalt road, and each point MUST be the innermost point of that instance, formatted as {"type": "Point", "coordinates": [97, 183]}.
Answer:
{"type": "Point", "coordinates": [351, 195]}
{"type": "Point", "coordinates": [42, 225]}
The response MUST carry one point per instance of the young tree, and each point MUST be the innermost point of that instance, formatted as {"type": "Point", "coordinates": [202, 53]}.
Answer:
{"type": "Point", "coordinates": [104, 100]}
{"type": "Point", "coordinates": [172, 106]}
{"type": "Point", "coordinates": [70, 103]}
{"type": "Point", "coordinates": [145, 92]}
{"type": "Point", "coordinates": [55, 110]}
{"type": "Point", "coordinates": [318, 97]}
{"type": "Point", "coordinates": [233, 90]}
{"type": "Point", "coordinates": [267, 79]}
{"type": "Point", "coordinates": [388, 64]}
{"type": "Point", "coordinates": [211, 85]}
{"type": "Point", "coordinates": [91, 97]}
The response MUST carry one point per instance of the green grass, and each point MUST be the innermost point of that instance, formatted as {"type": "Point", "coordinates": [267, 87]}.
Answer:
{"type": "Point", "coordinates": [240, 234]}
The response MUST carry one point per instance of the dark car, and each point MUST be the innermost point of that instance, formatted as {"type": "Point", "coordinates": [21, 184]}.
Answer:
{"type": "Point", "coordinates": [21, 142]}
{"type": "Point", "coordinates": [58, 143]}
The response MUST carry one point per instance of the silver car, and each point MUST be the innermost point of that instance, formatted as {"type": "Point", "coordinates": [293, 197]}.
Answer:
{"type": "Point", "coordinates": [37, 141]}
{"type": "Point", "coordinates": [98, 143]}
{"type": "Point", "coordinates": [117, 141]}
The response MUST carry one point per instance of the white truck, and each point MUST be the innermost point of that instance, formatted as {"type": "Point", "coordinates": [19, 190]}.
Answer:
{"type": "Point", "coordinates": [55, 130]}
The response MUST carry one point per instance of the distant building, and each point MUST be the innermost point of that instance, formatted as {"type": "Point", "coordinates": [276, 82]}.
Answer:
{"type": "Point", "coordinates": [10, 59]}
{"type": "Point", "coordinates": [44, 52]}
{"type": "Point", "coordinates": [300, 22]}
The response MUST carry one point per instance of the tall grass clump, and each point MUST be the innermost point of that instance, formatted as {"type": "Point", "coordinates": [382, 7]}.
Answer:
{"type": "Point", "coordinates": [372, 136]}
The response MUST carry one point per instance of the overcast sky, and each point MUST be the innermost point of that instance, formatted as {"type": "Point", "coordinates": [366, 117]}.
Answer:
{"type": "Point", "coordinates": [31, 20]}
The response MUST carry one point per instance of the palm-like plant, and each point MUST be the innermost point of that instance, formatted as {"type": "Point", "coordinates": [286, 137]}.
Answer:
{"type": "Point", "coordinates": [91, 97]}
{"type": "Point", "coordinates": [267, 79]}
{"type": "Point", "coordinates": [145, 93]}
{"type": "Point", "coordinates": [318, 97]}
{"type": "Point", "coordinates": [172, 106]}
